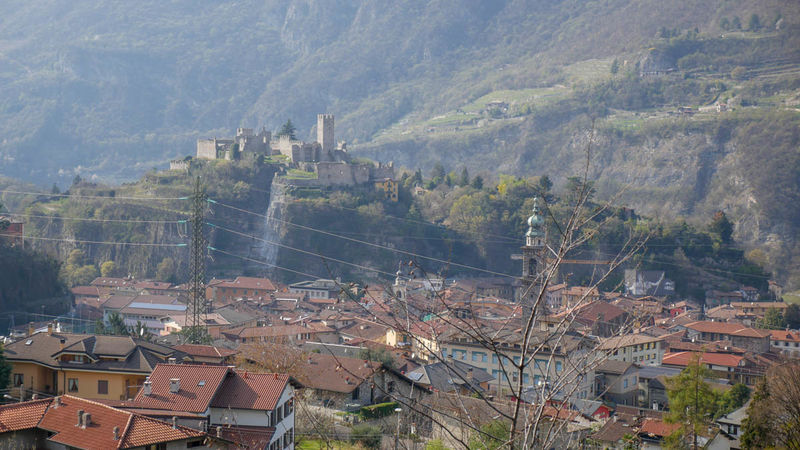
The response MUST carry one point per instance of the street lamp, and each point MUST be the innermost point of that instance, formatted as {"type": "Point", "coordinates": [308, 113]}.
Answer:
{"type": "Point", "coordinates": [397, 411]}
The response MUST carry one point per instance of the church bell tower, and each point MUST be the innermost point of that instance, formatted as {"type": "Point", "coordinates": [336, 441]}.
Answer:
{"type": "Point", "coordinates": [533, 259]}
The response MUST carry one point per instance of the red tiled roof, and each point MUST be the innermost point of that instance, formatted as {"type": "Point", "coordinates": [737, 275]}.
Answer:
{"type": "Point", "coordinates": [783, 335]}
{"type": "Point", "coordinates": [279, 330]}
{"type": "Point", "coordinates": [204, 350]}
{"type": "Point", "coordinates": [248, 283]}
{"type": "Point", "coordinates": [658, 427]}
{"type": "Point", "coordinates": [338, 374]}
{"type": "Point", "coordinates": [22, 416]}
{"type": "Point", "coordinates": [134, 430]}
{"type": "Point", "coordinates": [143, 431]}
{"type": "Point", "coordinates": [251, 391]}
{"type": "Point", "coordinates": [248, 437]}
{"type": "Point", "coordinates": [198, 384]}
{"type": "Point", "coordinates": [716, 359]}
{"type": "Point", "coordinates": [734, 329]}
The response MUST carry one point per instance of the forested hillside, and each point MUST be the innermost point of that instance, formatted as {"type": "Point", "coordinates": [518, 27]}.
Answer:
{"type": "Point", "coordinates": [109, 90]}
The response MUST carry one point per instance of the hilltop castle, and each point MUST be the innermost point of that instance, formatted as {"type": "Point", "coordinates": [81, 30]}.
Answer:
{"type": "Point", "coordinates": [325, 149]}
{"type": "Point", "coordinates": [325, 157]}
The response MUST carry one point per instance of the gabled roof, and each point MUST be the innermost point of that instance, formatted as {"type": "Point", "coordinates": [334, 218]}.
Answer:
{"type": "Point", "coordinates": [450, 376]}
{"type": "Point", "coordinates": [337, 374]}
{"type": "Point", "coordinates": [717, 359]}
{"type": "Point", "coordinates": [733, 329]}
{"type": "Point", "coordinates": [627, 340]}
{"type": "Point", "coordinates": [130, 355]}
{"type": "Point", "coordinates": [22, 416]}
{"type": "Point", "coordinates": [134, 430]}
{"type": "Point", "coordinates": [658, 428]}
{"type": "Point", "coordinates": [614, 367]}
{"type": "Point", "coordinates": [198, 385]}
{"type": "Point", "coordinates": [247, 283]}
{"type": "Point", "coordinates": [243, 390]}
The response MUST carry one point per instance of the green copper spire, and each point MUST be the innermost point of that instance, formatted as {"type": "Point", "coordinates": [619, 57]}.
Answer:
{"type": "Point", "coordinates": [535, 221]}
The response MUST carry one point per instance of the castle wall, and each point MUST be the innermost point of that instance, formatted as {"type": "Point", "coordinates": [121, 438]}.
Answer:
{"type": "Point", "coordinates": [207, 148]}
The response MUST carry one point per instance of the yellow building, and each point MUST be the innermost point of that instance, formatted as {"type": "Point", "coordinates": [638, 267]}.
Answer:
{"type": "Point", "coordinates": [389, 187]}
{"type": "Point", "coordinates": [86, 366]}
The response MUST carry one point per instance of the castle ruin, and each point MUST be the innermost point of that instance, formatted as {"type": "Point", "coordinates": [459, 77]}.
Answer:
{"type": "Point", "coordinates": [325, 157]}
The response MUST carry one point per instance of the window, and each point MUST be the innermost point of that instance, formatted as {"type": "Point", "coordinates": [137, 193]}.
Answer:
{"type": "Point", "coordinates": [102, 386]}
{"type": "Point", "coordinates": [526, 378]}
{"type": "Point", "coordinates": [624, 383]}
{"type": "Point", "coordinates": [496, 373]}
{"type": "Point", "coordinates": [287, 408]}
{"type": "Point", "coordinates": [72, 384]}
{"type": "Point", "coordinates": [280, 411]}
{"type": "Point", "coordinates": [18, 379]}
{"type": "Point", "coordinates": [516, 360]}
{"type": "Point", "coordinates": [494, 358]}
{"type": "Point", "coordinates": [559, 366]}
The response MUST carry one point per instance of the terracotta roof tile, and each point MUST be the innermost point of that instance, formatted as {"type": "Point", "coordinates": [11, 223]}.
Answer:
{"type": "Point", "coordinates": [337, 374]}
{"type": "Point", "coordinates": [146, 431]}
{"type": "Point", "coordinates": [658, 427]}
{"type": "Point", "coordinates": [716, 359]}
{"type": "Point", "coordinates": [134, 430]}
{"type": "Point", "coordinates": [198, 384]}
{"type": "Point", "coordinates": [734, 329]}
{"type": "Point", "coordinates": [22, 416]}
{"type": "Point", "coordinates": [251, 391]}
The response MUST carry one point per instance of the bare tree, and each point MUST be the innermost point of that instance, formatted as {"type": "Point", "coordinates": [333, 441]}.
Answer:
{"type": "Point", "coordinates": [554, 349]}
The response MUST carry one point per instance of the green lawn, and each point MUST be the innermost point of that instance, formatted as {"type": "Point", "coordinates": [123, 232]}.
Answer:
{"type": "Point", "coordinates": [319, 444]}
{"type": "Point", "coordinates": [792, 297]}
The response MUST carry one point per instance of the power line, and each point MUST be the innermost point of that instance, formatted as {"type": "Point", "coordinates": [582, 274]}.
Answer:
{"type": "Point", "coordinates": [88, 219]}
{"type": "Point", "coordinates": [105, 197]}
{"type": "Point", "coordinates": [78, 241]}
{"type": "Point", "coordinates": [328, 258]}
{"type": "Point", "coordinates": [263, 263]}
{"type": "Point", "coordinates": [430, 258]}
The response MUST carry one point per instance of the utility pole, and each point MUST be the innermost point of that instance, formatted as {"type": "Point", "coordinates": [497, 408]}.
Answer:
{"type": "Point", "coordinates": [196, 309]}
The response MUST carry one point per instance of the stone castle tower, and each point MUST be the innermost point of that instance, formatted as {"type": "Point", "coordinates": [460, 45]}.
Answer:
{"type": "Point", "coordinates": [533, 260]}
{"type": "Point", "coordinates": [325, 132]}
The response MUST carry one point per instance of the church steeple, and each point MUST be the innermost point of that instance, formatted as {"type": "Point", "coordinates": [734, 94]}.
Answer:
{"type": "Point", "coordinates": [534, 237]}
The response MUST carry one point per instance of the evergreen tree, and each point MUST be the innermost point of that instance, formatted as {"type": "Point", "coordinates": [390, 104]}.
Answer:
{"type": "Point", "coordinates": [722, 226]}
{"type": "Point", "coordinates": [438, 173]}
{"type": "Point", "coordinates": [724, 23]}
{"type": "Point", "coordinates": [288, 129]}
{"type": "Point", "coordinates": [736, 23]}
{"type": "Point", "coordinates": [463, 180]}
{"type": "Point", "coordinates": [614, 66]}
{"type": "Point", "coordinates": [691, 402]}
{"type": "Point", "coordinates": [754, 24]}
{"type": "Point", "coordinates": [165, 271]}
{"type": "Point", "coordinates": [757, 426]}
{"type": "Point", "coordinates": [792, 316]}
{"type": "Point", "coordinates": [477, 182]}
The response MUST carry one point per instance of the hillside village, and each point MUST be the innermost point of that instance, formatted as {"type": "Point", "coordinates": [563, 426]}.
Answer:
{"type": "Point", "coordinates": [353, 355]}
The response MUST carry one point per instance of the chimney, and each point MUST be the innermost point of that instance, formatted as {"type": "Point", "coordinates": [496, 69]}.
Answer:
{"type": "Point", "coordinates": [219, 431]}
{"type": "Point", "coordinates": [50, 329]}
{"type": "Point", "coordinates": [116, 433]}
{"type": "Point", "coordinates": [80, 418]}
{"type": "Point", "coordinates": [469, 374]}
{"type": "Point", "coordinates": [87, 420]}
{"type": "Point", "coordinates": [62, 343]}
{"type": "Point", "coordinates": [366, 364]}
{"type": "Point", "coordinates": [147, 387]}
{"type": "Point", "coordinates": [56, 402]}
{"type": "Point", "coordinates": [174, 422]}
{"type": "Point", "coordinates": [172, 360]}
{"type": "Point", "coordinates": [174, 385]}
{"type": "Point", "coordinates": [31, 329]}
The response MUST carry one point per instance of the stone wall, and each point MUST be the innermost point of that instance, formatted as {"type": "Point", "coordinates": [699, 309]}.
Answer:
{"type": "Point", "coordinates": [207, 148]}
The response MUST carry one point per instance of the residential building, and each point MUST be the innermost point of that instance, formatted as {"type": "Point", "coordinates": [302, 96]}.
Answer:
{"type": "Point", "coordinates": [348, 383]}
{"type": "Point", "coordinates": [452, 376]}
{"type": "Point", "coordinates": [207, 354]}
{"type": "Point", "coordinates": [787, 343]}
{"type": "Point", "coordinates": [758, 309]}
{"type": "Point", "coordinates": [752, 339]}
{"type": "Point", "coordinates": [325, 289]}
{"type": "Point", "coordinates": [653, 386]}
{"type": "Point", "coordinates": [222, 400]}
{"type": "Point", "coordinates": [637, 348]}
{"type": "Point", "coordinates": [734, 368]}
{"type": "Point", "coordinates": [550, 363]}
{"type": "Point", "coordinates": [74, 423]}
{"type": "Point", "coordinates": [282, 334]}
{"type": "Point", "coordinates": [222, 292]}
{"type": "Point", "coordinates": [617, 382]}
{"type": "Point", "coordinates": [86, 366]}
{"type": "Point", "coordinates": [731, 424]}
